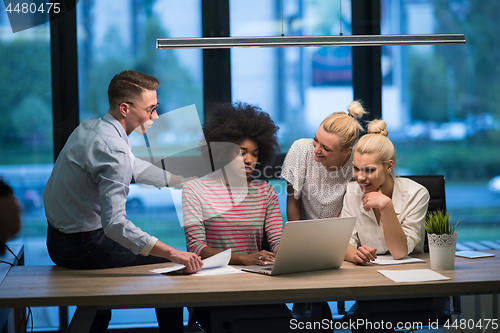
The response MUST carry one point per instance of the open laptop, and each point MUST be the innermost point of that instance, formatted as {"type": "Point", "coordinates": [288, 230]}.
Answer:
{"type": "Point", "coordinates": [309, 245]}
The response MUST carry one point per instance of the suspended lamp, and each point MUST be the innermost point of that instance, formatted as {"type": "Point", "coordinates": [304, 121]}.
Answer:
{"type": "Point", "coordinates": [304, 41]}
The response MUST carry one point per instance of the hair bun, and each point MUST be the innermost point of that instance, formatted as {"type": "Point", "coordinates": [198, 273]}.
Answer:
{"type": "Point", "coordinates": [355, 109]}
{"type": "Point", "coordinates": [378, 126]}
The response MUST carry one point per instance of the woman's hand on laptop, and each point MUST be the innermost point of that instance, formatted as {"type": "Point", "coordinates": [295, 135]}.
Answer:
{"type": "Point", "coordinates": [258, 258]}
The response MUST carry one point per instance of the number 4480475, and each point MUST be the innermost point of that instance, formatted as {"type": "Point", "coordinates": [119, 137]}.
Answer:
{"type": "Point", "coordinates": [472, 324]}
{"type": "Point", "coordinates": [33, 8]}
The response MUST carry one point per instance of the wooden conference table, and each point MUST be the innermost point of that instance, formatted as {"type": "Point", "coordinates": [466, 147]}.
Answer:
{"type": "Point", "coordinates": [137, 287]}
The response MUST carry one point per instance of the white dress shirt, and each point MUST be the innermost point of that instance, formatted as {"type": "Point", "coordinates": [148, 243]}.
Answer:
{"type": "Point", "coordinates": [410, 201]}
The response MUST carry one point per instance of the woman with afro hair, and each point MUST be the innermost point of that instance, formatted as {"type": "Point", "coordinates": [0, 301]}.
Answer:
{"type": "Point", "coordinates": [228, 209]}
{"type": "Point", "coordinates": [229, 201]}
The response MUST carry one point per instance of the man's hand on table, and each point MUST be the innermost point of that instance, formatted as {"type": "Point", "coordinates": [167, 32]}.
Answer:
{"type": "Point", "coordinates": [192, 261]}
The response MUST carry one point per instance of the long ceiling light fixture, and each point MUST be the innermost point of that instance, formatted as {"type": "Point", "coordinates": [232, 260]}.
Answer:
{"type": "Point", "coordinates": [303, 41]}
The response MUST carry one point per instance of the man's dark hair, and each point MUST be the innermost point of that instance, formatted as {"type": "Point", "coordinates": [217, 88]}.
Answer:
{"type": "Point", "coordinates": [237, 122]}
{"type": "Point", "coordinates": [129, 84]}
{"type": "Point", "coordinates": [5, 189]}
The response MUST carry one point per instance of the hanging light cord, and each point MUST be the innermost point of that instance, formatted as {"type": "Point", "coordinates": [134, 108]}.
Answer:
{"type": "Point", "coordinates": [282, 19]}
{"type": "Point", "coordinates": [340, 10]}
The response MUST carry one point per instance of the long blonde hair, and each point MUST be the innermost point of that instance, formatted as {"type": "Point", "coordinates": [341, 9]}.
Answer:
{"type": "Point", "coordinates": [345, 124]}
{"type": "Point", "coordinates": [377, 142]}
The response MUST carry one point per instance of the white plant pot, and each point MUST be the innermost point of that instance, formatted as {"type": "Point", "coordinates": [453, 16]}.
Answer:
{"type": "Point", "coordinates": [442, 250]}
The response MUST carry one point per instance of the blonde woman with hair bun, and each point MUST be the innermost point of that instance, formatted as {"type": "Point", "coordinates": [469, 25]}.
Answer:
{"type": "Point", "coordinates": [318, 170]}
{"type": "Point", "coordinates": [390, 211]}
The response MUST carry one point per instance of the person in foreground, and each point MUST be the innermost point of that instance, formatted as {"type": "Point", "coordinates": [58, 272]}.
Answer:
{"type": "Point", "coordinates": [86, 193]}
{"type": "Point", "coordinates": [390, 211]}
{"type": "Point", "coordinates": [10, 215]}
{"type": "Point", "coordinates": [228, 209]}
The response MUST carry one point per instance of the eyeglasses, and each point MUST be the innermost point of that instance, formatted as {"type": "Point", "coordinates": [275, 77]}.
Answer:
{"type": "Point", "coordinates": [148, 111]}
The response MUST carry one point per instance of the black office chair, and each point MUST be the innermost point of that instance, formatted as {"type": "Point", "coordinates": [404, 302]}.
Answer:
{"type": "Point", "coordinates": [435, 186]}
{"type": "Point", "coordinates": [424, 310]}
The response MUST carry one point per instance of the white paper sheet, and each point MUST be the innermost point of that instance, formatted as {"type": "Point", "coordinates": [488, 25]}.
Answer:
{"type": "Point", "coordinates": [413, 275]}
{"type": "Point", "coordinates": [215, 265]}
{"type": "Point", "coordinates": [218, 271]}
{"type": "Point", "coordinates": [387, 259]}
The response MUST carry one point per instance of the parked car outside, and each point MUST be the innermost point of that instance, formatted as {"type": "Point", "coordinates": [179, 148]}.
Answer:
{"type": "Point", "coordinates": [142, 197]}
{"type": "Point", "coordinates": [494, 185]}
{"type": "Point", "coordinates": [28, 182]}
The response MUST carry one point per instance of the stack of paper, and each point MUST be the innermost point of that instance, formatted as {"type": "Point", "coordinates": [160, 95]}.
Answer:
{"type": "Point", "coordinates": [215, 265]}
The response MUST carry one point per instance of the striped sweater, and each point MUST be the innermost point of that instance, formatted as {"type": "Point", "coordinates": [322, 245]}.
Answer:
{"type": "Point", "coordinates": [234, 219]}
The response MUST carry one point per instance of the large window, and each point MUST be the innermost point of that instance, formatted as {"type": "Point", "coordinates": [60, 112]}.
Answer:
{"type": "Point", "coordinates": [26, 121]}
{"type": "Point", "coordinates": [109, 44]}
{"type": "Point", "coordinates": [441, 105]}
{"type": "Point", "coordinates": [298, 87]}
{"type": "Point", "coordinates": [26, 133]}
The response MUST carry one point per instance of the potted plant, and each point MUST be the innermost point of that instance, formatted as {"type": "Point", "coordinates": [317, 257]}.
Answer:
{"type": "Point", "coordinates": [442, 239]}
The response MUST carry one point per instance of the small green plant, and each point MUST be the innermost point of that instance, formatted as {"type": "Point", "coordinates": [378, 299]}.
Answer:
{"type": "Point", "coordinates": [438, 222]}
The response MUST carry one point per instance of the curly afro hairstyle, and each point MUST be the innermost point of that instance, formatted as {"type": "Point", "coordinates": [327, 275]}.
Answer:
{"type": "Point", "coordinates": [239, 121]}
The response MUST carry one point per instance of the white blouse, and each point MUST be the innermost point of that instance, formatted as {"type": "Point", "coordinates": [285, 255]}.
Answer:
{"type": "Point", "coordinates": [322, 191]}
{"type": "Point", "coordinates": [410, 201]}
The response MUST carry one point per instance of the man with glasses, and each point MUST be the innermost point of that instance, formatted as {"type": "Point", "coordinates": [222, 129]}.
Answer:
{"type": "Point", "coordinates": [86, 194]}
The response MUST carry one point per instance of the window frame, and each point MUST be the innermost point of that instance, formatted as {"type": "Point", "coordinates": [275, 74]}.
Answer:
{"type": "Point", "coordinates": [367, 81]}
